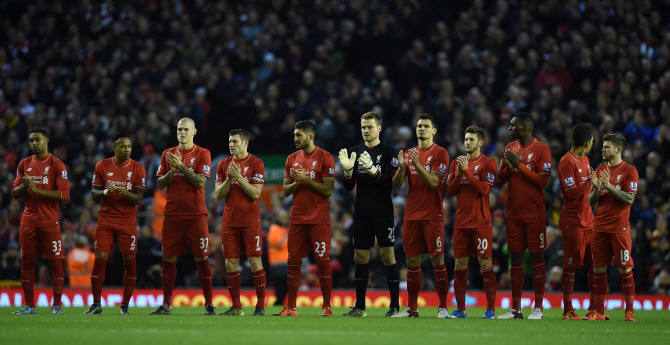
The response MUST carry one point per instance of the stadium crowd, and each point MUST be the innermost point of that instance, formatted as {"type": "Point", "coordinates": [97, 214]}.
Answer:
{"type": "Point", "coordinates": [87, 69]}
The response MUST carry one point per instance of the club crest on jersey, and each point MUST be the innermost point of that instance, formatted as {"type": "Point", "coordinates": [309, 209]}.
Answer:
{"type": "Point", "coordinates": [530, 156]}
{"type": "Point", "coordinates": [144, 182]}
{"type": "Point", "coordinates": [63, 175]}
{"type": "Point", "coordinates": [46, 170]}
{"type": "Point", "coordinates": [192, 161]}
{"type": "Point", "coordinates": [476, 168]}
{"type": "Point", "coordinates": [490, 177]}
{"type": "Point", "coordinates": [569, 181]}
{"type": "Point", "coordinates": [245, 170]}
{"type": "Point", "coordinates": [314, 164]}
{"type": "Point", "coordinates": [394, 162]}
{"type": "Point", "coordinates": [442, 168]}
{"type": "Point", "coordinates": [618, 179]}
{"type": "Point", "coordinates": [205, 169]}
{"type": "Point", "coordinates": [547, 166]}
{"type": "Point", "coordinates": [130, 175]}
{"type": "Point", "coordinates": [428, 160]}
{"type": "Point", "coordinates": [633, 186]}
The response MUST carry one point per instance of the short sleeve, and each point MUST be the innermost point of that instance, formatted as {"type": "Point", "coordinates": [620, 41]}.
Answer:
{"type": "Point", "coordinates": [140, 176]}
{"type": "Point", "coordinates": [287, 168]}
{"type": "Point", "coordinates": [62, 182]}
{"type": "Point", "coordinates": [441, 162]}
{"type": "Point", "coordinates": [328, 166]}
{"type": "Point", "coordinates": [204, 163]}
{"type": "Point", "coordinates": [220, 172]}
{"type": "Point", "coordinates": [163, 167]}
{"type": "Point", "coordinates": [544, 161]}
{"type": "Point", "coordinates": [488, 174]}
{"type": "Point", "coordinates": [630, 181]}
{"type": "Point", "coordinates": [19, 174]}
{"type": "Point", "coordinates": [566, 173]}
{"type": "Point", "coordinates": [258, 171]}
{"type": "Point", "coordinates": [452, 172]}
{"type": "Point", "coordinates": [97, 175]}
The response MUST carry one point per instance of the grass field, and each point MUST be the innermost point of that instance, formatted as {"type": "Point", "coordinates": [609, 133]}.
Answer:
{"type": "Point", "coordinates": [188, 325]}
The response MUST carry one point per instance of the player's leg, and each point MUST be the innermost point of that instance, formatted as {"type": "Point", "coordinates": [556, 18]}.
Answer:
{"type": "Point", "coordinates": [573, 249]}
{"type": "Point", "coordinates": [588, 264]}
{"type": "Point", "coordinates": [536, 230]}
{"type": "Point", "coordinates": [127, 242]}
{"type": "Point", "coordinates": [462, 251]}
{"type": "Point", "coordinates": [414, 246]}
{"type": "Point", "coordinates": [516, 246]}
{"type": "Point", "coordinates": [51, 248]}
{"type": "Point", "coordinates": [29, 242]}
{"type": "Point", "coordinates": [361, 277]}
{"type": "Point", "coordinates": [198, 236]}
{"type": "Point", "coordinates": [320, 235]}
{"type": "Point", "coordinates": [602, 257]}
{"type": "Point", "coordinates": [174, 245]}
{"type": "Point", "coordinates": [252, 238]}
{"type": "Point", "coordinates": [298, 247]}
{"type": "Point", "coordinates": [231, 239]}
{"type": "Point", "coordinates": [385, 233]}
{"type": "Point", "coordinates": [484, 239]}
{"type": "Point", "coordinates": [102, 245]}
{"type": "Point", "coordinates": [433, 233]}
{"type": "Point", "coordinates": [623, 245]}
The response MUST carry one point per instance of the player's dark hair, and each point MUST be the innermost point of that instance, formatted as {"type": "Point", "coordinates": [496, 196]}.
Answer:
{"type": "Point", "coordinates": [244, 135]}
{"type": "Point", "coordinates": [425, 116]}
{"type": "Point", "coordinates": [616, 139]}
{"type": "Point", "coordinates": [370, 115]}
{"type": "Point", "coordinates": [525, 117]}
{"type": "Point", "coordinates": [476, 130]}
{"type": "Point", "coordinates": [120, 135]}
{"type": "Point", "coordinates": [307, 126]}
{"type": "Point", "coordinates": [41, 131]}
{"type": "Point", "coordinates": [582, 133]}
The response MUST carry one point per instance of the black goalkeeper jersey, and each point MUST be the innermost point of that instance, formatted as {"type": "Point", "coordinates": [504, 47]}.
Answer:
{"type": "Point", "coordinates": [373, 194]}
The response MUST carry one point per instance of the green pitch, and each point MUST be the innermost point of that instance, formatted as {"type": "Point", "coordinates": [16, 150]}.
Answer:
{"type": "Point", "coordinates": [188, 325]}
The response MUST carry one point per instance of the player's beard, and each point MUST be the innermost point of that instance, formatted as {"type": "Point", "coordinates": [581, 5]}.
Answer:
{"type": "Point", "coordinates": [301, 144]}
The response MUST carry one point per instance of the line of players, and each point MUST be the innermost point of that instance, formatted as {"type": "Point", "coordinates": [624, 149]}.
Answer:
{"type": "Point", "coordinates": [310, 176]}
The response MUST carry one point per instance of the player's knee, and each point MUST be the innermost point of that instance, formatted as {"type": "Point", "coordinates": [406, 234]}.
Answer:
{"type": "Point", "coordinates": [104, 256]}
{"type": "Point", "coordinates": [128, 256]}
{"type": "Point", "coordinates": [624, 271]}
{"type": "Point", "coordinates": [414, 261]}
{"type": "Point", "coordinates": [485, 263]}
{"type": "Point", "coordinates": [569, 269]}
{"type": "Point", "coordinates": [517, 257]}
{"type": "Point", "coordinates": [361, 258]}
{"type": "Point", "coordinates": [170, 259]}
{"type": "Point", "coordinates": [599, 269]}
{"type": "Point", "coordinates": [461, 263]}
{"type": "Point", "coordinates": [232, 265]}
{"type": "Point", "coordinates": [535, 257]}
{"type": "Point", "coordinates": [255, 263]}
{"type": "Point", "coordinates": [437, 260]}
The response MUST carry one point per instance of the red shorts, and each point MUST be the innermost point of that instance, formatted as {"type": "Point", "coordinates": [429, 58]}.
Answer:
{"type": "Point", "coordinates": [525, 234]}
{"type": "Point", "coordinates": [303, 237]}
{"type": "Point", "coordinates": [473, 242]}
{"type": "Point", "coordinates": [423, 236]}
{"type": "Point", "coordinates": [235, 239]}
{"type": "Point", "coordinates": [577, 249]}
{"type": "Point", "coordinates": [606, 245]}
{"type": "Point", "coordinates": [125, 236]}
{"type": "Point", "coordinates": [39, 241]}
{"type": "Point", "coordinates": [178, 231]}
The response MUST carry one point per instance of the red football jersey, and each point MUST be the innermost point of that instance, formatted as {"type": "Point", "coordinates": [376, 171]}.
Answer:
{"type": "Point", "coordinates": [611, 214]}
{"type": "Point", "coordinates": [183, 199]}
{"type": "Point", "coordinates": [424, 203]}
{"type": "Point", "coordinates": [474, 210]}
{"type": "Point", "coordinates": [576, 213]}
{"type": "Point", "coordinates": [240, 209]}
{"type": "Point", "coordinates": [524, 200]}
{"type": "Point", "coordinates": [48, 174]}
{"type": "Point", "coordinates": [115, 208]}
{"type": "Point", "coordinates": [310, 207]}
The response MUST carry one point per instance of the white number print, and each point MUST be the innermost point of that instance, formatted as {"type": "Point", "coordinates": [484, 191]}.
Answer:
{"type": "Point", "coordinates": [483, 244]}
{"type": "Point", "coordinates": [204, 243]}
{"type": "Point", "coordinates": [320, 249]}
{"type": "Point", "coordinates": [57, 247]}
{"type": "Point", "coordinates": [258, 243]}
{"type": "Point", "coordinates": [132, 245]}
{"type": "Point", "coordinates": [541, 240]}
{"type": "Point", "coordinates": [624, 256]}
{"type": "Point", "coordinates": [391, 235]}
{"type": "Point", "coordinates": [439, 243]}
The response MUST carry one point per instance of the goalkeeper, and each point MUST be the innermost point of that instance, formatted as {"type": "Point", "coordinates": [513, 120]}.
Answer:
{"type": "Point", "coordinates": [371, 166]}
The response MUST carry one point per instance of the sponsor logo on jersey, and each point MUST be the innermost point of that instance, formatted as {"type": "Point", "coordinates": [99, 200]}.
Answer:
{"type": "Point", "coordinates": [530, 156]}
{"type": "Point", "coordinates": [205, 169]}
{"type": "Point", "coordinates": [569, 181]}
{"type": "Point", "coordinates": [394, 162]}
{"type": "Point", "coordinates": [547, 166]}
{"type": "Point", "coordinates": [442, 168]}
{"type": "Point", "coordinates": [63, 175]}
{"type": "Point", "coordinates": [580, 170]}
{"type": "Point", "coordinates": [490, 177]}
{"type": "Point", "coordinates": [633, 186]}
{"type": "Point", "coordinates": [295, 164]}
{"type": "Point", "coordinates": [26, 170]}
{"type": "Point", "coordinates": [110, 174]}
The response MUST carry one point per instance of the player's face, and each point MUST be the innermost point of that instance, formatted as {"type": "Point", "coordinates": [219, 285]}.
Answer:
{"type": "Point", "coordinates": [301, 139]}
{"type": "Point", "coordinates": [38, 143]}
{"type": "Point", "coordinates": [236, 145]}
{"type": "Point", "coordinates": [425, 129]}
{"type": "Point", "coordinates": [185, 132]}
{"type": "Point", "coordinates": [516, 128]}
{"type": "Point", "coordinates": [472, 142]}
{"type": "Point", "coordinates": [370, 130]}
{"type": "Point", "coordinates": [609, 151]}
{"type": "Point", "coordinates": [122, 148]}
{"type": "Point", "coordinates": [589, 146]}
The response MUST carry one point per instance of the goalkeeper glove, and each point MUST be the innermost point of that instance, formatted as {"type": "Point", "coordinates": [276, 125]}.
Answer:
{"type": "Point", "coordinates": [366, 162]}
{"type": "Point", "coordinates": [347, 162]}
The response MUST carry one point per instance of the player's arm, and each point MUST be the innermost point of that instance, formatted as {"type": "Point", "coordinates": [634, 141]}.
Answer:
{"type": "Point", "coordinates": [251, 190]}
{"type": "Point", "coordinates": [454, 180]}
{"type": "Point", "coordinates": [222, 188]}
{"type": "Point", "coordinates": [165, 180]}
{"type": "Point", "coordinates": [570, 181]}
{"type": "Point", "coordinates": [594, 196]}
{"type": "Point", "coordinates": [399, 176]}
{"type": "Point", "coordinates": [135, 197]}
{"type": "Point", "coordinates": [431, 179]}
{"type": "Point", "coordinates": [20, 187]}
{"type": "Point", "coordinates": [538, 180]}
{"type": "Point", "coordinates": [503, 171]}
{"type": "Point", "coordinates": [626, 197]}
{"type": "Point", "coordinates": [481, 187]}
{"type": "Point", "coordinates": [324, 188]}
{"type": "Point", "coordinates": [197, 180]}
{"type": "Point", "coordinates": [289, 187]}
{"type": "Point", "coordinates": [97, 193]}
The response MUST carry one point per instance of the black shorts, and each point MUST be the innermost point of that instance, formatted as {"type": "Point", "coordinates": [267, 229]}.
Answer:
{"type": "Point", "coordinates": [366, 228]}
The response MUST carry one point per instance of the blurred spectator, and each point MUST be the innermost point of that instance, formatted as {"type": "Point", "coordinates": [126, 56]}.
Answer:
{"type": "Point", "coordinates": [80, 262]}
{"type": "Point", "coordinates": [10, 266]}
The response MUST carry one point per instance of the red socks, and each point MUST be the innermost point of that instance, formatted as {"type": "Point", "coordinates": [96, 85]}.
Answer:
{"type": "Point", "coordinates": [98, 278]}
{"type": "Point", "coordinates": [325, 280]}
{"type": "Point", "coordinates": [294, 277]}
{"type": "Point", "coordinates": [169, 277]}
{"type": "Point", "coordinates": [591, 282]}
{"type": "Point", "coordinates": [205, 277]}
{"type": "Point", "coordinates": [28, 281]}
{"type": "Point", "coordinates": [628, 289]}
{"type": "Point", "coordinates": [490, 286]}
{"type": "Point", "coordinates": [567, 285]}
{"type": "Point", "coordinates": [516, 276]}
{"type": "Point", "coordinates": [442, 284]}
{"type": "Point", "coordinates": [57, 279]}
{"type": "Point", "coordinates": [599, 290]}
{"type": "Point", "coordinates": [234, 282]}
{"type": "Point", "coordinates": [413, 286]}
{"type": "Point", "coordinates": [539, 277]}
{"type": "Point", "coordinates": [129, 279]}
{"type": "Point", "coordinates": [260, 283]}
{"type": "Point", "coordinates": [460, 287]}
